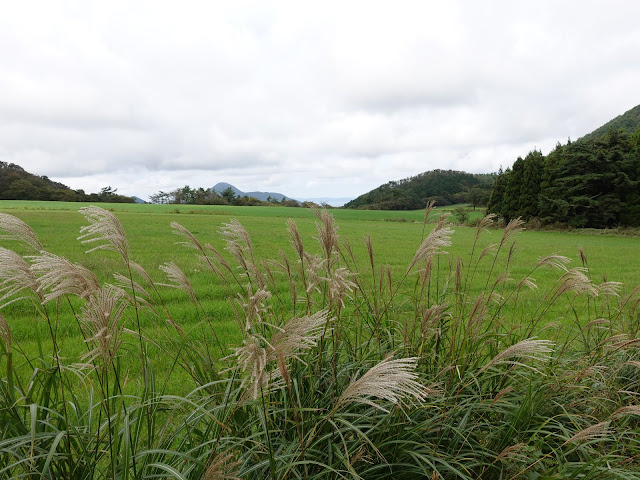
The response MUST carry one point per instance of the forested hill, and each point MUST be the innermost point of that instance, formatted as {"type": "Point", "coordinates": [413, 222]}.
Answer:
{"type": "Point", "coordinates": [445, 187]}
{"type": "Point", "coordinates": [627, 122]}
{"type": "Point", "coordinates": [18, 184]}
{"type": "Point", "coordinates": [594, 182]}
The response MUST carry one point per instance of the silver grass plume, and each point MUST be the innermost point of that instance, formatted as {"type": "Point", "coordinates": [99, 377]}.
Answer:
{"type": "Point", "coordinates": [298, 334]}
{"type": "Point", "coordinates": [327, 232]}
{"type": "Point", "coordinates": [530, 349]}
{"type": "Point", "coordinates": [221, 468]}
{"type": "Point", "coordinates": [180, 280]}
{"type": "Point", "coordinates": [431, 245]}
{"type": "Point", "coordinates": [599, 430]}
{"type": "Point", "coordinates": [628, 410]}
{"type": "Point", "coordinates": [255, 306]}
{"type": "Point", "coordinates": [101, 316]}
{"type": "Point", "coordinates": [58, 276]}
{"type": "Point", "coordinates": [432, 317]}
{"type": "Point", "coordinates": [314, 263]}
{"type": "Point", "coordinates": [554, 261]}
{"type": "Point", "coordinates": [393, 380]}
{"type": "Point", "coordinates": [511, 452]}
{"type": "Point", "coordinates": [104, 227]}
{"type": "Point", "coordinates": [253, 359]}
{"type": "Point", "coordinates": [575, 280]}
{"type": "Point", "coordinates": [484, 223]}
{"type": "Point", "coordinates": [609, 289]}
{"type": "Point", "coordinates": [15, 276]}
{"type": "Point", "coordinates": [340, 285]}
{"type": "Point", "coordinates": [514, 227]}
{"type": "Point", "coordinates": [12, 228]}
{"type": "Point", "coordinates": [238, 243]}
{"type": "Point", "coordinates": [192, 241]}
{"type": "Point", "coordinates": [296, 239]}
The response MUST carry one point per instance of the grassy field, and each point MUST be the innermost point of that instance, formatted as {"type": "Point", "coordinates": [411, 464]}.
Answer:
{"type": "Point", "coordinates": [449, 314]}
{"type": "Point", "coordinates": [395, 237]}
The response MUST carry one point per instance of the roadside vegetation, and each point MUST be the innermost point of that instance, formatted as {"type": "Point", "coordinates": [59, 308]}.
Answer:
{"type": "Point", "coordinates": [302, 351]}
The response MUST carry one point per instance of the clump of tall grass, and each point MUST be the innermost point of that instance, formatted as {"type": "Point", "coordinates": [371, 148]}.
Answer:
{"type": "Point", "coordinates": [342, 370]}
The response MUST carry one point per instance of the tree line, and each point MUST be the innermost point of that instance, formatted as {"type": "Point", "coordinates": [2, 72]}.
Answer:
{"type": "Point", "coordinates": [593, 182]}
{"type": "Point", "coordinates": [206, 196]}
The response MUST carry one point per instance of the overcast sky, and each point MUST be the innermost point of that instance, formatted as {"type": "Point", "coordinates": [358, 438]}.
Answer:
{"type": "Point", "coordinates": [310, 99]}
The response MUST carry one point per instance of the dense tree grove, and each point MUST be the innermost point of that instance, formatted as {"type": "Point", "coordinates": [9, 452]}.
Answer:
{"type": "Point", "coordinates": [18, 184]}
{"type": "Point", "coordinates": [593, 183]}
{"type": "Point", "coordinates": [445, 187]}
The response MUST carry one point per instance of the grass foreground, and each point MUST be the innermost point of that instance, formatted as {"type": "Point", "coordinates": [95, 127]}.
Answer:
{"type": "Point", "coordinates": [330, 360]}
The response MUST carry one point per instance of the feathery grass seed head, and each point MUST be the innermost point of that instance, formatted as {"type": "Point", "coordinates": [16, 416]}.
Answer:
{"type": "Point", "coordinates": [104, 227]}
{"type": "Point", "coordinates": [12, 228]}
{"type": "Point", "coordinates": [101, 316]}
{"type": "Point", "coordinates": [58, 276]}
{"type": "Point", "coordinates": [15, 276]}
{"type": "Point", "coordinates": [530, 349]}
{"type": "Point", "coordinates": [393, 380]}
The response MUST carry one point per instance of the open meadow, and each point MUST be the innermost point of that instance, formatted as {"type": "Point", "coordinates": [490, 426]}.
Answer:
{"type": "Point", "coordinates": [273, 342]}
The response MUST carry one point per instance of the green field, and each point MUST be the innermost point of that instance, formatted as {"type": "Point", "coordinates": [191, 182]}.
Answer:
{"type": "Point", "coordinates": [395, 237]}
{"type": "Point", "coordinates": [390, 307]}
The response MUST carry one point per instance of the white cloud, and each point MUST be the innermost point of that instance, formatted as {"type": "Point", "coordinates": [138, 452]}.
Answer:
{"type": "Point", "coordinates": [309, 99]}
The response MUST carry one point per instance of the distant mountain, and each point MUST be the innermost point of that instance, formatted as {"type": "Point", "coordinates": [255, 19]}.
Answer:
{"type": "Point", "coordinates": [138, 199]}
{"type": "Point", "coordinates": [263, 196]}
{"type": "Point", "coordinates": [628, 122]}
{"type": "Point", "coordinates": [445, 187]}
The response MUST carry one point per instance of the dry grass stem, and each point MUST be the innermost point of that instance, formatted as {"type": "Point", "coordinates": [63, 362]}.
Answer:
{"type": "Point", "coordinates": [5, 333]}
{"type": "Point", "coordinates": [391, 380]}
{"type": "Point", "coordinates": [105, 227]}
{"type": "Point", "coordinates": [15, 229]}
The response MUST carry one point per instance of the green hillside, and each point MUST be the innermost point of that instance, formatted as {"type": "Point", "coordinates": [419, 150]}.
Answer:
{"type": "Point", "coordinates": [627, 122]}
{"type": "Point", "coordinates": [445, 187]}
{"type": "Point", "coordinates": [18, 184]}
